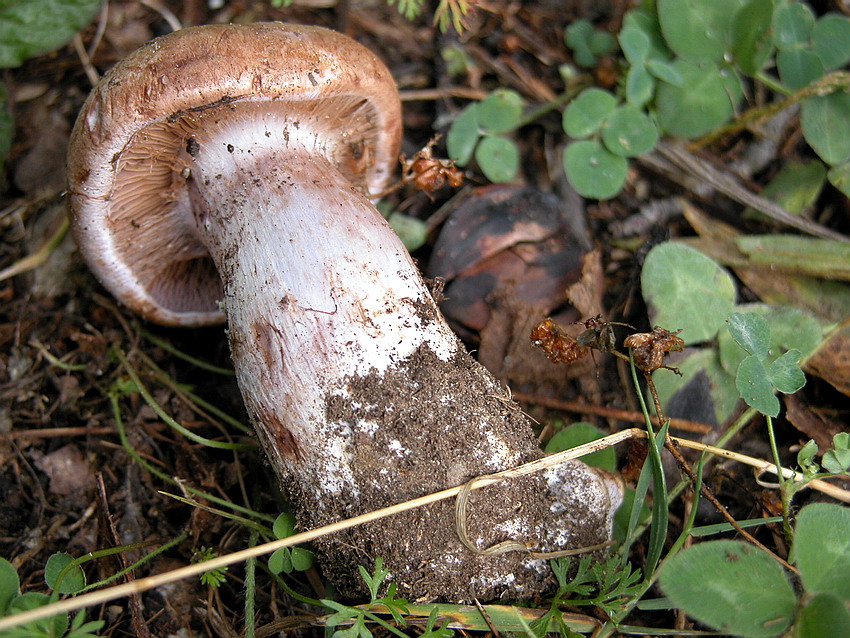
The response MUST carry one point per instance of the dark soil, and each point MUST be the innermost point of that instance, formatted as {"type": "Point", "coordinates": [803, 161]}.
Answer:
{"type": "Point", "coordinates": [441, 430]}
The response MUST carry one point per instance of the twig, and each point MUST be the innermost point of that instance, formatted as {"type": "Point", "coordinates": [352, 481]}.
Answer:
{"type": "Point", "coordinates": [88, 67]}
{"type": "Point", "coordinates": [487, 618]}
{"type": "Point", "coordinates": [508, 76]}
{"type": "Point", "coordinates": [49, 433]}
{"type": "Point", "coordinates": [465, 92]}
{"type": "Point", "coordinates": [824, 86]}
{"type": "Point", "coordinates": [137, 617]}
{"type": "Point", "coordinates": [703, 488]}
{"type": "Point", "coordinates": [166, 14]}
{"type": "Point", "coordinates": [610, 413]}
{"type": "Point", "coordinates": [102, 21]}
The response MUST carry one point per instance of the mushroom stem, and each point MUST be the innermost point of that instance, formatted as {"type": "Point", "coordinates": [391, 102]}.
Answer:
{"type": "Point", "coordinates": [318, 288]}
{"type": "Point", "coordinates": [361, 394]}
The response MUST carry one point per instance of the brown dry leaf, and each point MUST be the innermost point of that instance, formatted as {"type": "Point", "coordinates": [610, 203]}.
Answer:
{"type": "Point", "coordinates": [68, 470]}
{"type": "Point", "coordinates": [504, 238]}
{"type": "Point", "coordinates": [814, 423]}
{"type": "Point", "coordinates": [485, 221]}
{"type": "Point", "coordinates": [832, 361]}
{"type": "Point", "coordinates": [505, 348]}
{"type": "Point", "coordinates": [650, 348]}
{"type": "Point", "coordinates": [44, 127]}
{"type": "Point", "coordinates": [586, 294]}
{"type": "Point", "coordinates": [468, 298]}
{"type": "Point", "coordinates": [827, 299]}
{"type": "Point", "coordinates": [507, 352]}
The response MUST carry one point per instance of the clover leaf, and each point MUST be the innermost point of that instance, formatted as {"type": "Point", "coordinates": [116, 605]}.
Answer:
{"type": "Point", "coordinates": [288, 559]}
{"type": "Point", "coordinates": [758, 376]}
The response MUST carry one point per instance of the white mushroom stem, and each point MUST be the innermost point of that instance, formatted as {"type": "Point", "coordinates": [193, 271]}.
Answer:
{"type": "Point", "coordinates": [360, 392]}
{"type": "Point", "coordinates": [318, 288]}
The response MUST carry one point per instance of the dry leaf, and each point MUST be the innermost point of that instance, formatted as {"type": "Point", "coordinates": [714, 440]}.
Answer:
{"type": "Point", "coordinates": [832, 361]}
{"type": "Point", "coordinates": [815, 424]}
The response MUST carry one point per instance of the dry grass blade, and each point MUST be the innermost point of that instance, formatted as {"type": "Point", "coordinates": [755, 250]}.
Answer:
{"type": "Point", "coordinates": [36, 259]}
{"type": "Point", "coordinates": [728, 184]}
{"type": "Point", "coordinates": [820, 485]}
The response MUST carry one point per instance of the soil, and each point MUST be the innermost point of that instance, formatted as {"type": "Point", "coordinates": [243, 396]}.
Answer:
{"type": "Point", "coordinates": [438, 432]}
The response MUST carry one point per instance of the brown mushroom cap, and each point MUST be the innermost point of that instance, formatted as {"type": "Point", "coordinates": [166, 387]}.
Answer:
{"type": "Point", "coordinates": [132, 147]}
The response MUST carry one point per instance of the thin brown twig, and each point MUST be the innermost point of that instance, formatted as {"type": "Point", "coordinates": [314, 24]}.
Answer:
{"type": "Point", "coordinates": [610, 413]}
{"type": "Point", "coordinates": [52, 433]}
{"type": "Point", "coordinates": [704, 489]}
{"type": "Point", "coordinates": [137, 617]}
{"type": "Point", "coordinates": [165, 12]}
{"type": "Point", "coordinates": [427, 95]}
{"type": "Point", "coordinates": [487, 618]}
{"type": "Point", "coordinates": [389, 189]}
{"type": "Point", "coordinates": [508, 76]}
{"type": "Point", "coordinates": [102, 22]}
{"type": "Point", "coordinates": [88, 67]}
{"type": "Point", "coordinates": [824, 86]}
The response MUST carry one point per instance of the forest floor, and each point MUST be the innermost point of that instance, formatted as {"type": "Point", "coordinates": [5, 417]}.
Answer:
{"type": "Point", "coordinates": [67, 479]}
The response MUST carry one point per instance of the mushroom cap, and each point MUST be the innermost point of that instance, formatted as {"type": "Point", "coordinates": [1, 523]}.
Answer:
{"type": "Point", "coordinates": [132, 143]}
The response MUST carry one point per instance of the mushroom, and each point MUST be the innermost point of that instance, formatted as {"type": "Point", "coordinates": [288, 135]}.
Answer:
{"type": "Point", "coordinates": [222, 171]}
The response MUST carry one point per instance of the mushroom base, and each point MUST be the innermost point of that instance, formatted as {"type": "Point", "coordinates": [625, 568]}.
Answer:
{"type": "Point", "coordinates": [430, 437]}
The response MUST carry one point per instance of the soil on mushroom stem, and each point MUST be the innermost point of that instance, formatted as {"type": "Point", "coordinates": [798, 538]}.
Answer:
{"type": "Point", "coordinates": [433, 436]}
{"type": "Point", "coordinates": [420, 446]}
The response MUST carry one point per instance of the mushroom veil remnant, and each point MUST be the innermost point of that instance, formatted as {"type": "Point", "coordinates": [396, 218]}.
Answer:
{"type": "Point", "coordinates": [220, 173]}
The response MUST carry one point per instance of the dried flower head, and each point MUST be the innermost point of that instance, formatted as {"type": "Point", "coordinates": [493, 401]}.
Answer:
{"type": "Point", "coordinates": [650, 348]}
{"type": "Point", "coordinates": [558, 346]}
{"type": "Point", "coordinates": [429, 173]}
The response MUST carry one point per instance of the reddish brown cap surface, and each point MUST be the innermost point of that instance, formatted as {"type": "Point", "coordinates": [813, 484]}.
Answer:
{"type": "Point", "coordinates": [128, 156]}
